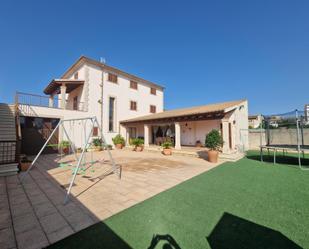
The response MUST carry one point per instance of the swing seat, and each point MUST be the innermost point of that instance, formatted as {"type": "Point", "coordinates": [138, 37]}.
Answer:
{"type": "Point", "coordinates": [63, 165]}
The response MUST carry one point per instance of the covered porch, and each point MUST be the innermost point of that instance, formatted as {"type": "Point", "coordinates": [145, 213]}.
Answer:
{"type": "Point", "coordinates": [70, 92]}
{"type": "Point", "coordinates": [187, 133]}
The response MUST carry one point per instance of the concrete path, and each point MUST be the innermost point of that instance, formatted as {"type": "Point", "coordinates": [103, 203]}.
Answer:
{"type": "Point", "coordinates": [32, 214]}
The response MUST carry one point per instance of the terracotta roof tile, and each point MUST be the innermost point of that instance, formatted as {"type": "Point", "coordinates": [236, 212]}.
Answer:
{"type": "Point", "coordinates": [219, 107]}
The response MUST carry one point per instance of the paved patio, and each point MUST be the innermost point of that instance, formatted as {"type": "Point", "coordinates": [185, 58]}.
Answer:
{"type": "Point", "coordinates": [33, 214]}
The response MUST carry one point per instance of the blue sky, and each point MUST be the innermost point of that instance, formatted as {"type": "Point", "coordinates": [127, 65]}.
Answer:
{"type": "Point", "coordinates": [202, 52]}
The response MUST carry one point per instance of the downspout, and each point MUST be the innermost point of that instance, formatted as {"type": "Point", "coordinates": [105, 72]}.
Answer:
{"type": "Point", "coordinates": [101, 99]}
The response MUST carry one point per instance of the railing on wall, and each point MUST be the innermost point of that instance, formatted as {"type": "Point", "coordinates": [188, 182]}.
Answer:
{"type": "Point", "coordinates": [35, 100]}
{"type": "Point", "coordinates": [8, 152]}
{"type": "Point", "coordinates": [44, 101]}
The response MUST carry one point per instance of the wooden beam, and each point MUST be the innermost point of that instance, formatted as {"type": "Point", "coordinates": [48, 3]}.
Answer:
{"type": "Point", "coordinates": [200, 117]}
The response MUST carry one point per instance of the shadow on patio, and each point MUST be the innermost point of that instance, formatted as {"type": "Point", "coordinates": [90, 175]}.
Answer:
{"type": "Point", "coordinates": [39, 218]}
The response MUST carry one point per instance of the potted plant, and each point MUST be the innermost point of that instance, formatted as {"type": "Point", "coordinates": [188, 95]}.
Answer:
{"type": "Point", "coordinates": [167, 150]}
{"type": "Point", "coordinates": [119, 141]}
{"type": "Point", "coordinates": [97, 144]}
{"type": "Point", "coordinates": [138, 143]}
{"type": "Point", "coordinates": [213, 142]}
{"type": "Point", "coordinates": [198, 143]}
{"type": "Point", "coordinates": [25, 163]}
{"type": "Point", "coordinates": [65, 145]}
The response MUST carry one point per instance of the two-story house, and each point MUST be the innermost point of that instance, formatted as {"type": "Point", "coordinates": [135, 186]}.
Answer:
{"type": "Point", "coordinates": [125, 104]}
{"type": "Point", "coordinates": [88, 88]}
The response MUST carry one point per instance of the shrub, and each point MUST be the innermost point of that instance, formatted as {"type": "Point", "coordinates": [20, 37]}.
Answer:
{"type": "Point", "coordinates": [65, 144]}
{"type": "Point", "coordinates": [137, 141]}
{"type": "Point", "coordinates": [118, 139]}
{"type": "Point", "coordinates": [213, 140]}
{"type": "Point", "coordinates": [97, 142]}
{"type": "Point", "coordinates": [167, 145]}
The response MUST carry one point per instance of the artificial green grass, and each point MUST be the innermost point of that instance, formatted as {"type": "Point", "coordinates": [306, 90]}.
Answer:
{"type": "Point", "coordinates": [247, 204]}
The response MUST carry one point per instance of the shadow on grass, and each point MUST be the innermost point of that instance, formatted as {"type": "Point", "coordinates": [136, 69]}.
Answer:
{"type": "Point", "coordinates": [95, 236]}
{"type": "Point", "coordinates": [237, 233]}
{"type": "Point", "coordinates": [280, 159]}
{"type": "Point", "coordinates": [168, 240]}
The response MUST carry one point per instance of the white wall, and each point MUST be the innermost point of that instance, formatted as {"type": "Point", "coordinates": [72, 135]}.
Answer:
{"type": "Point", "coordinates": [197, 130]}
{"type": "Point", "coordinates": [91, 93]}
{"type": "Point", "coordinates": [75, 130]}
{"type": "Point", "coordinates": [240, 137]}
{"type": "Point", "coordinates": [123, 95]}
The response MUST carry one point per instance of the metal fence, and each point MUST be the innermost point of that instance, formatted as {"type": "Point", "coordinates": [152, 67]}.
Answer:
{"type": "Point", "coordinates": [35, 100]}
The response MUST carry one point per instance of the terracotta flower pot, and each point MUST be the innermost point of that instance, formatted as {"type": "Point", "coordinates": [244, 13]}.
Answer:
{"type": "Point", "coordinates": [167, 152]}
{"type": "Point", "coordinates": [25, 165]}
{"type": "Point", "coordinates": [65, 150]}
{"type": "Point", "coordinates": [213, 156]}
{"type": "Point", "coordinates": [139, 148]}
{"type": "Point", "coordinates": [119, 146]}
{"type": "Point", "coordinates": [198, 144]}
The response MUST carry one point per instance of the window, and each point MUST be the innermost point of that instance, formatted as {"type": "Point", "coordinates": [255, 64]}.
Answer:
{"type": "Point", "coordinates": [112, 78]}
{"type": "Point", "coordinates": [76, 76]}
{"type": "Point", "coordinates": [38, 123]}
{"type": "Point", "coordinates": [152, 108]}
{"type": "Point", "coordinates": [153, 91]}
{"type": "Point", "coordinates": [111, 114]}
{"type": "Point", "coordinates": [133, 105]}
{"type": "Point", "coordinates": [133, 84]}
{"type": "Point", "coordinates": [75, 103]}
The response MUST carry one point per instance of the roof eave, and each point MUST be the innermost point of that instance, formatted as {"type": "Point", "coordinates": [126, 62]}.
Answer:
{"type": "Point", "coordinates": [84, 59]}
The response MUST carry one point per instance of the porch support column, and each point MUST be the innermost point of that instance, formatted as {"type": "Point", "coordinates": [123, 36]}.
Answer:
{"type": "Point", "coordinates": [177, 136]}
{"type": "Point", "coordinates": [225, 136]}
{"type": "Point", "coordinates": [146, 135]}
{"type": "Point", "coordinates": [63, 89]}
{"type": "Point", "coordinates": [51, 100]}
{"type": "Point", "coordinates": [124, 133]}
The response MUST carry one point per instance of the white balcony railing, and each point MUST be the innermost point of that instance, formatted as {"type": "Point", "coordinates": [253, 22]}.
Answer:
{"type": "Point", "coordinates": [44, 101]}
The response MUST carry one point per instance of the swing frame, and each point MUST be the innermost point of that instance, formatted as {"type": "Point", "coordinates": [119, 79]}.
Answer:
{"type": "Point", "coordinates": [116, 170]}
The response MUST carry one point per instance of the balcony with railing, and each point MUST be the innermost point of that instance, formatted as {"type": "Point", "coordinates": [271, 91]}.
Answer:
{"type": "Point", "coordinates": [28, 99]}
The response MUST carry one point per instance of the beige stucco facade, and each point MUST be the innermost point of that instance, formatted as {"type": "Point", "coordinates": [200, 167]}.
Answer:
{"type": "Point", "coordinates": [90, 97]}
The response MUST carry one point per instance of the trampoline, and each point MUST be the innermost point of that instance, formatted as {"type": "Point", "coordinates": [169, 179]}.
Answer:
{"type": "Point", "coordinates": [284, 133]}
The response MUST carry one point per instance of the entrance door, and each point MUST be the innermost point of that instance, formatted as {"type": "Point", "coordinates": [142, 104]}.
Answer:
{"type": "Point", "coordinates": [35, 131]}
{"type": "Point", "coordinates": [187, 134]}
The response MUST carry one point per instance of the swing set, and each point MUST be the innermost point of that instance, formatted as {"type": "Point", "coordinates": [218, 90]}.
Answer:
{"type": "Point", "coordinates": [80, 164]}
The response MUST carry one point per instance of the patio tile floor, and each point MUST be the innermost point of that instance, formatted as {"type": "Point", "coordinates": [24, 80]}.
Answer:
{"type": "Point", "coordinates": [33, 215]}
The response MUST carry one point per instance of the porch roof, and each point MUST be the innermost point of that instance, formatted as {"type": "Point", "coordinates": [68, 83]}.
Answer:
{"type": "Point", "coordinates": [54, 85]}
{"type": "Point", "coordinates": [205, 112]}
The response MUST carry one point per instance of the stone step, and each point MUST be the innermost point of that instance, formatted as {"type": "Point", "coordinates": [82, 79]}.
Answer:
{"type": "Point", "coordinates": [199, 154]}
{"type": "Point", "coordinates": [6, 118]}
{"type": "Point", "coordinates": [8, 173]}
{"type": "Point", "coordinates": [7, 136]}
{"type": "Point", "coordinates": [8, 169]}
